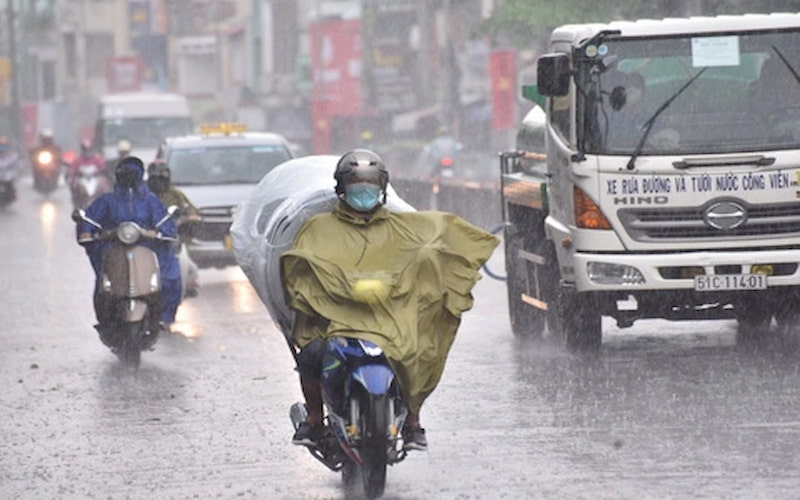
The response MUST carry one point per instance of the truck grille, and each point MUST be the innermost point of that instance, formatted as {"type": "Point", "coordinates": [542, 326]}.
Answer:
{"type": "Point", "coordinates": [676, 224]}
{"type": "Point", "coordinates": [216, 222]}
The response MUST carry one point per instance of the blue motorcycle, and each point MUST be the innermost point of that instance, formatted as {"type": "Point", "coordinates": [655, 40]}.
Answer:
{"type": "Point", "coordinates": [365, 414]}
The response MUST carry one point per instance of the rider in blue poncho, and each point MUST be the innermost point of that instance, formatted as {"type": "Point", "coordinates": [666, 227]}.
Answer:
{"type": "Point", "coordinates": [131, 200]}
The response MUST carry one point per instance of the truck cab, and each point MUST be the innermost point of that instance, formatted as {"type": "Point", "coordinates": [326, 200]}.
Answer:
{"type": "Point", "coordinates": [671, 179]}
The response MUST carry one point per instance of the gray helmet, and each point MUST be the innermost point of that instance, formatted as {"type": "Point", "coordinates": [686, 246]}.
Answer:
{"type": "Point", "coordinates": [360, 165]}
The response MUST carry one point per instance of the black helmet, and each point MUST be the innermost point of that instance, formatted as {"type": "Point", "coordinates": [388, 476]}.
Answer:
{"type": "Point", "coordinates": [361, 165]}
{"type": "Point", "coordinates": [158, 168]}
{"type": "Point", "coordinates": [129, 172]}
{"type": "Point", "coordinates": [158, 176]}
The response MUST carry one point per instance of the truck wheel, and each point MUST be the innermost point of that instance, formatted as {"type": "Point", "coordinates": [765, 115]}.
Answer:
{"type": "Point", "coordinates": [526, 321]}
{"type": "Point", "coordinates": [580, 321]}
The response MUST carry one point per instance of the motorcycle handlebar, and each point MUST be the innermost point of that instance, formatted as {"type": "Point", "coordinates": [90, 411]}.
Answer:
{"type": "Point", "coordinates": [111, 234]}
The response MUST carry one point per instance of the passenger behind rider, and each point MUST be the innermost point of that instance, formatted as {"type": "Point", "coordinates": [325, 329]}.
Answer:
{"type": "Point", "coordinates": [438, 252]}
{"type": "Point", "coordinates": [131, 200]}
{"type": "Point", "coordinates": [159, 180]}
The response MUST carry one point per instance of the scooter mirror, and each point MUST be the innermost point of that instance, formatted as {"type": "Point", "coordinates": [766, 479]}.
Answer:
{"type": "Point", "coordinates": [78, 215]}
{"type": "Point", "coordinates": [172, 210]}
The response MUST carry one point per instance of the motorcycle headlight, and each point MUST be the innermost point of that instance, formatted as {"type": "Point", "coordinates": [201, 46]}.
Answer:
{"type": "Point", "coordinates": [44, 157]}
{"type": "Point", "coordinates": [128, 233]}
{"type": "Point", "coordinates": [370, 349]}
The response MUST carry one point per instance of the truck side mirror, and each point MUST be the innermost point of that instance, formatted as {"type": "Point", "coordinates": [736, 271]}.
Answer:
{"type": "Point", "coordinates": [552, 75]}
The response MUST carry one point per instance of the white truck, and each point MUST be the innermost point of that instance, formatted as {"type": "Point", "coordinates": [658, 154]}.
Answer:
{"type": "Point", "coordinates": [142, 118]}
{"type": "Point", "coordinates": [670, 182]}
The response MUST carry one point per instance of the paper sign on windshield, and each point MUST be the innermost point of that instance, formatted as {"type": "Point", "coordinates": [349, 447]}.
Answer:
{"type": "Point", "coordinates": [715, 51]}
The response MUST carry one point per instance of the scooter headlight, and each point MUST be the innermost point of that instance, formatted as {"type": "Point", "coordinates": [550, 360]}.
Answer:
{"type": "Point", "coordinates": [128, 233]}
{"type": "Point", "coordinates": [44, 157]}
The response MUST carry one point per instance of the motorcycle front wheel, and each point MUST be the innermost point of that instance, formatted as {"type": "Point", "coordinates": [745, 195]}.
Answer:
{"type": "Point", "coordinates": [130, 349]}
{"type": "Point", "coordinates": [375, 426]}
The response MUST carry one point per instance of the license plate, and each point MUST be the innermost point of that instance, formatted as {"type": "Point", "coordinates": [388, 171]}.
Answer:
{"type": "Point", "coordinates": [228, 243]}
{"type": "Point", "coordinates": [726, 282]}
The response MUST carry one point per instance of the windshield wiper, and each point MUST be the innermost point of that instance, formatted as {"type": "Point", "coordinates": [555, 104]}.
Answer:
{"type": "Point", "coordinates": [787, 64]}
{"type": "Point", "coordinates": [648, 125]}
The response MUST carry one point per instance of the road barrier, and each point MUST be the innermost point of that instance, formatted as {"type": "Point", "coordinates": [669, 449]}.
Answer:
{"type": "Point", "coordinates": [475, 202]}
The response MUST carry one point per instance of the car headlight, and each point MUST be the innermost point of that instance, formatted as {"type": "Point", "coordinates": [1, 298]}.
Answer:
{"type": "Point", "coordinates": [604, 273]}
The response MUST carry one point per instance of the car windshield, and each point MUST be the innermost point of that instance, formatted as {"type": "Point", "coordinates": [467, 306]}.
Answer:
{"type": "Point", "coordinates": [716, 94]}
{"type": "Point", "coordinates": [144, 132]}
{"type": "Point", "coordinates": [224, 164]}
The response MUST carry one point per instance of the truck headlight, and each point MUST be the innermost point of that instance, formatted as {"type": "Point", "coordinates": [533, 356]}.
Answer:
{"type": "Point", "coordinates": [603, 273]}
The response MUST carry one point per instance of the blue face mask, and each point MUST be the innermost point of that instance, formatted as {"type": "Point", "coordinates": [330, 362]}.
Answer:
{"type": "Point", "coordinates": [362, 196]}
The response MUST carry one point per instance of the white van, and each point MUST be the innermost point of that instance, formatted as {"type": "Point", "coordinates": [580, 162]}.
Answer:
{"type": "Point", "coordinates": [142, 118]}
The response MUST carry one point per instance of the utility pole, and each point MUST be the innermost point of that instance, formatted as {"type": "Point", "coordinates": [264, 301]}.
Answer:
{"type": "Point", "coordinates": [16, 122]}
{"type": "Point", "coordinates": [257, 45]}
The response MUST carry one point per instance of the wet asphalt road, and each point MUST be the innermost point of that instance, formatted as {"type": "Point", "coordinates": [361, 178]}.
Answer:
{"type": "Point", "coordinates": [665, 411]}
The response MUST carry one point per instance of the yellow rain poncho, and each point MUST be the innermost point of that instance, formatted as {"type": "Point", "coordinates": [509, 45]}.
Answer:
{"type": "Point", "coordinates": [411, 273]}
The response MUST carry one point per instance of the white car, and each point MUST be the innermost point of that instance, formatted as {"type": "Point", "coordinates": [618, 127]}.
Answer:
{"type": "Point", "coordinates": [217, 169]}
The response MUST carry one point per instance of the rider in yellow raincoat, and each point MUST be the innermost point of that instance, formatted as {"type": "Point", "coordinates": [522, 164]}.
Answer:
{"type": "Point", "coordinates": [399, 280]}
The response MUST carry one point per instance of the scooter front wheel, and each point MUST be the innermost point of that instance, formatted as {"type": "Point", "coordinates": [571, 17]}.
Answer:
{"type": "Point", "coordinates": [130, 349]}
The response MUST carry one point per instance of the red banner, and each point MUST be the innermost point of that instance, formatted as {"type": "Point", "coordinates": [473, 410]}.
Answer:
{"type": "Point", "coordinates": [30, 124]}
{"type": "Point", "coordinates": [336, 65]}
{"type": "Point", "coordinates": [336, 69]}
{"type": "Point", "coordinates": [503, 74]}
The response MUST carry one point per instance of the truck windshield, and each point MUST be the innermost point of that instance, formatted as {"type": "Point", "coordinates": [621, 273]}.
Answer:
{"type": "Point", "coordinates": [224, 164]}
{"type": "Point", "coordinates": [145, 132]}
{"type": "Point", "coordinates": [746, 95]}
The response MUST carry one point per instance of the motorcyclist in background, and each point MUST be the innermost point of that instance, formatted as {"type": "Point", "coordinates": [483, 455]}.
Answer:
{"type": "Point", "coordinates": [46, 141]}
{"type": "Point", "coordinates": [440, 152]}
{"type": "Point", "coordinates": [9, 163]}
{"type": "Point", "coordinates": [131, 200]}
{"type": "Point", "coordinates": [87, 157]}
{"type": "Point", "coordinates": [123, 151]}
{"type": "Point", "coordinates": [428, 262]}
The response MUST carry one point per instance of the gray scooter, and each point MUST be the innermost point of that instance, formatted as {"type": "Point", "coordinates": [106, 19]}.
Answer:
{"type": "Point", "coordinates": [127, 293]}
